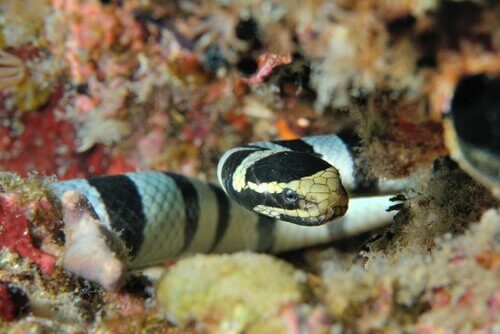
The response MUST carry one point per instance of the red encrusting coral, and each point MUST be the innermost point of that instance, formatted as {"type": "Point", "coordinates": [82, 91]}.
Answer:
{"type": "Point", "coordinates": [15, 234]}
{"type": "Point", "coordinates": [47, 144]}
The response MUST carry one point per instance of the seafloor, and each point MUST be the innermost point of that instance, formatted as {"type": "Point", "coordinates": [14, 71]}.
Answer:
{"type": "Point", "coordinates": [105, 87]}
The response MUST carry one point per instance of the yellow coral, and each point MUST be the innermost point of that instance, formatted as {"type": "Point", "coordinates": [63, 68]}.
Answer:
{"type": "Point", "coordinates": [23, 21]}
{"type": "Point", "coordinates": [235, 290]}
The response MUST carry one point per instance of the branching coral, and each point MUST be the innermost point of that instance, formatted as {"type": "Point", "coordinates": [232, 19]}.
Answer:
{"type": "Point", "coordinates": [212, 25]}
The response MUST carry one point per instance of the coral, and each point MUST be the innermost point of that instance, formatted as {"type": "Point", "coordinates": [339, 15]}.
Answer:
{"type": "Point", "coordinates": [29, 75]}
{"type": "Point", "coordinates": [88, 38]}
{"type": "Point", "coordinates": [214, 25]}
{"type": "Point", "coordinates": [13, 302]}
{"type": "Point", "coordinates": [226, 289]}
{"type": "Point", "coordinates": [128, 62]}
{"type": "Point", "coordinates": [146, 322]}
{"type": "Point", "coordinates": [60, 297]}
{"type": "Point", "coordinates": [97, 129]}
{"type": "Point", "coordinates": [29, 83]}
{"type": "Point", "coordinates": [47, 144]}
{"type": "Point", "coordinates": [32, 324]}
{"type": "Point", "coordinates": [398, 138]}
{"type": "Point", "coordinates": [15, 234]}
{"type": "Point", "coordinates": [454, 287]}
{"type": "Point", "coordinates": [445, 201]}
{"type": "Point", "coordinates": [30, 240]}
{"type": "Point", "coordinates": [266, 64]}
{"type": "Point", "coordinates": [83, 229]}
{"type": "Point", "coordinates": [23, 21]}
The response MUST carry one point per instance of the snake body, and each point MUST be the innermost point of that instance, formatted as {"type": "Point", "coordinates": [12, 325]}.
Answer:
{"type": "Point", "coordinates": [160, 216]}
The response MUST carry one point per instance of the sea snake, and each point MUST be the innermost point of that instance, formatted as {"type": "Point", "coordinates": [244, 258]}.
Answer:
{"type": "Point", "coordinates": [288, 185]}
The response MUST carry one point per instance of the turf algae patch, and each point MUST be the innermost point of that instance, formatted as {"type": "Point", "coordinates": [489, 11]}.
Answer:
{"type": "Point", "coordinates": [444, 202]}
{"type": "Point", "coordinates": [232, 293]}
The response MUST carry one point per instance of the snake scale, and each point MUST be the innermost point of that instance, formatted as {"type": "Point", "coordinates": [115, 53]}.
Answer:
{"type": "Point", "coordinates": [286, 184]}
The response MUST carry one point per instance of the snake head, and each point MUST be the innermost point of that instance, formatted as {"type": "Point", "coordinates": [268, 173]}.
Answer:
{"type": "Point", "coordinates": [311, 200]}
{"type": "Point", "coordinates": [295, 187]}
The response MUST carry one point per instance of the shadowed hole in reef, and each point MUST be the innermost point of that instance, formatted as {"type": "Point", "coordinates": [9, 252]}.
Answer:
{"type": "Point", "coordinates": [247, 66]}
{"type": "Point", "coordinates": [247, 29]}
{"type": "Point", "coordinates": [455, 21]}
{"type": "Point", "coordinates": [401, 26]}
{"type": "Point", "coordinates": [16, 302]}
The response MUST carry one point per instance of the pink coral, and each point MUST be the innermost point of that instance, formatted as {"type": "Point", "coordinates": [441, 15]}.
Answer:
{"type": "Point", "coordinates": [93, 29]}
{"type": "Point", "coordinates": [267, 62]}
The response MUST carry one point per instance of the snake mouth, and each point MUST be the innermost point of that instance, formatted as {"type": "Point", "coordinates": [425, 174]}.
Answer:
{"type": "Point", "coordinates": [335, 212]}
{"type": "Point", "coordinates": [330, 214]}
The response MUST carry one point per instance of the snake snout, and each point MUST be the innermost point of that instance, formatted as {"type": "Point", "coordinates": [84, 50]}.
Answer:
{"type": "Point", "coordinates": [325, 195]}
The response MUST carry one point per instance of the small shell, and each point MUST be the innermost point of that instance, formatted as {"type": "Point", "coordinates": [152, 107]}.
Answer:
{"type": "Point", "coordinates": [12, 70]}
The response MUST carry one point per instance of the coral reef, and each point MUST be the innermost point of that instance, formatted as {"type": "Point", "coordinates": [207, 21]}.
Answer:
{"type": "Point", "coordinates": [91, 87]}
{"type": "Point", "coordinates": [428, 272]}
{"type": "Point", "coordinates": [453, 289]}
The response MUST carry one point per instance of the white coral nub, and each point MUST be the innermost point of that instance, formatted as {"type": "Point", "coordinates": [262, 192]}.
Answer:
{"type": "Point", "coordinates": [91, 251]}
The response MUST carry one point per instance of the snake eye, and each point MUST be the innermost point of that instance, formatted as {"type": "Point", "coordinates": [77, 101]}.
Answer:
{"type": "Point", "coordinates": [290, 196]}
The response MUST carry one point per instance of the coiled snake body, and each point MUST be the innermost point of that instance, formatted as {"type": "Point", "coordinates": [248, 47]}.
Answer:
{"type": "Point", "coordinates": [159, 216]}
